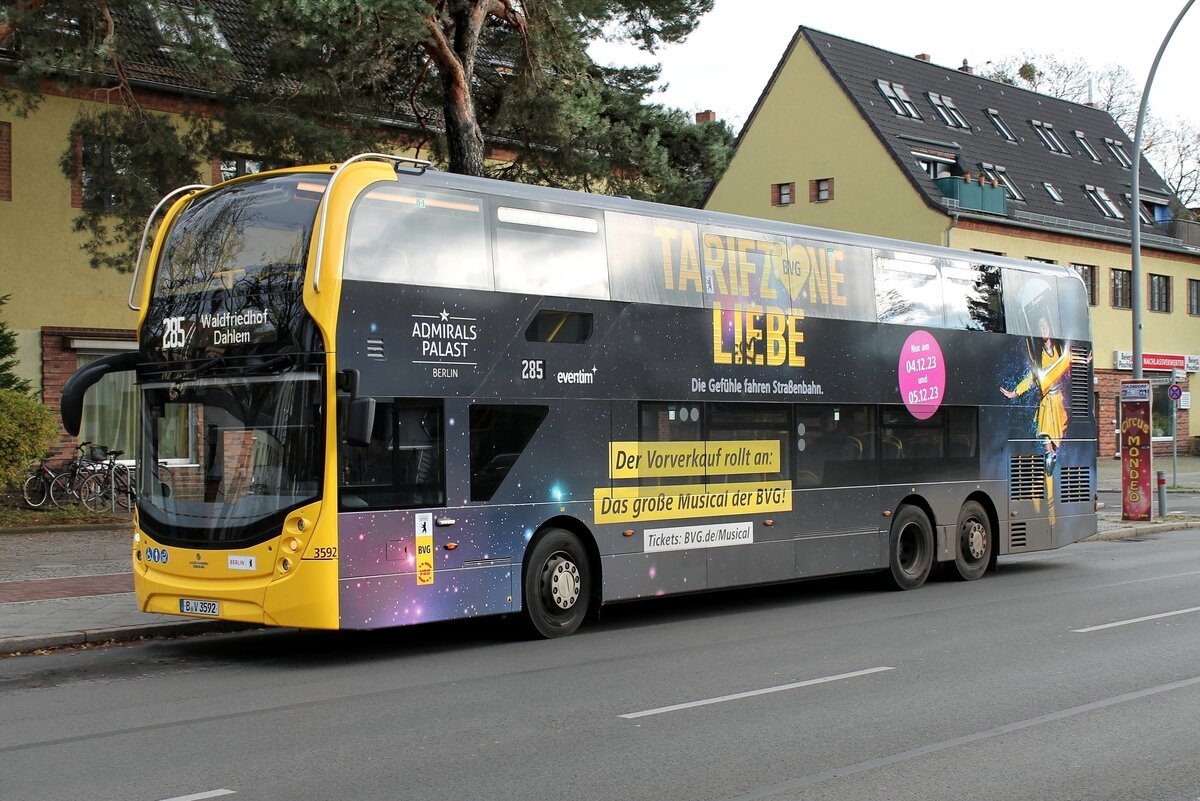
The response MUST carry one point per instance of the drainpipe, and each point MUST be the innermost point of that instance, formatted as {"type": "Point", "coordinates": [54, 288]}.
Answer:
{"type": "Point", "coordinates": [953, 224]}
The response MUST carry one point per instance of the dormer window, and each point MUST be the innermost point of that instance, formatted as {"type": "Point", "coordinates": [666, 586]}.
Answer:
{"type": "Point", "coordinates": [1117, 148]}
{"type": "Point", "coordinates": [1081, 137]}
{"type": "Point", "coordinates": [898, 99]}
{"type": "Point", "coordinates": [1102, 201]}
{"type": "Point", "coordinates": [1001, 126]}
{"type": "Point", "coordinates": [1046, 133]}
{"type": "Point", "coordinates": [936, 165]}
{"type": "Point", "coordinates": [949, 112]}
{"type": "Point", "coordinates": [999, 175]}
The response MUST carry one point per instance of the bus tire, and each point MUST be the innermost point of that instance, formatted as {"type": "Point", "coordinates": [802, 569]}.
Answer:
{"type": "Point", "coordinates": [974, 543]}
{"type": "Point", "coordinates": [910, 549]}
{"type": "Point", "coordinates": [557, 585]}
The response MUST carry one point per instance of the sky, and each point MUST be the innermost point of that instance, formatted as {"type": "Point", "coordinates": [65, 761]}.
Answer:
{"type": "Point", "coordinates": [729, 58]}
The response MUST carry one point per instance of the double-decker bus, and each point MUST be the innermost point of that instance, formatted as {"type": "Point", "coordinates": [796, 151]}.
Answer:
{"type": "Point", "coordinates": [387, 395]}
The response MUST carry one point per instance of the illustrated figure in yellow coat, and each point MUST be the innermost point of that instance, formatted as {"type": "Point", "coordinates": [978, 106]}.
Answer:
{"type": "Point", "coordinates": [1049, 365]}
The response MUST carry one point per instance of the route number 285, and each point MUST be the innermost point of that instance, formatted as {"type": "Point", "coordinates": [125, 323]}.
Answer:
{"type": "Point", "coordinates": [533, 369]}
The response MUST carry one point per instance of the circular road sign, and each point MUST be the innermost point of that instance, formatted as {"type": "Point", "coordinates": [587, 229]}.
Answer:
{"type": "Point", "coordinates": [1175, 392]}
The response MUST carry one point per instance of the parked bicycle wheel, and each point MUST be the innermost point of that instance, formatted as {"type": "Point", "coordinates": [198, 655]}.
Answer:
{"type": "Point", "coordinates": [122, 487]}
{"type": "Point", "coordinates": [96, 493]}
{"type": "Point", "coordinates": [62, 492]}
{"type": "Point", "coordinates": [36, 491]}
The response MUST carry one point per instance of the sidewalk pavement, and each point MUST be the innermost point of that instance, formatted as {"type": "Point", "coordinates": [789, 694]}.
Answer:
{"type": "Point", "coordinates": [90, 598]}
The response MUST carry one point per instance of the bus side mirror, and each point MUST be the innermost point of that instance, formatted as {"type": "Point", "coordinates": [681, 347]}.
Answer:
{"type": "Point", "coordinates": [71, 408]}
{"type": "Point", "coordinates": [360, 421]}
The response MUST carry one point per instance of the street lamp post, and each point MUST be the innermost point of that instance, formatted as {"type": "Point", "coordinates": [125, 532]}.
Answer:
{"type": "Point", "coordinates": [1135, 242]}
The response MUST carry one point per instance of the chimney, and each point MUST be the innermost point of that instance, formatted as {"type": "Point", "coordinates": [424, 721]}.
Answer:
{"type": "Point", "coordinates": [708, 115]}
{"type": "Point", "coordinates": [922, 57]}
{"type": "Point", "coordinates": [967, 68]}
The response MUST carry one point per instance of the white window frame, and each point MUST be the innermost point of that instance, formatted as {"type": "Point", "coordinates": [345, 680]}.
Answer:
{"type": "Point", "coordinates": [1102, 201]}
{"type": "Point", "coordinates": [1117, 148]}
{"type": "Point", "coordinates": [1049, 137]}
{"type": "Point", "coordinates": [999, 174]}
{"type": "Point", "coordinates": [1001, 125]}
{"type": "Point", "coordinates": [1081, 137]}
{"type": "Point", "coordinates": [1053, 192]}
{"type": "Point", "coordinates": [898, 99]}
{"type": "Point", "coordinates": [930, 162]}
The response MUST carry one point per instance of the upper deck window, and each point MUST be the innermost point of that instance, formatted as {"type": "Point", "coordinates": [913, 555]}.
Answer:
{"type": "Point", "coordinates": [403, 235]}
{"type": "Point", "coordinates": [242, 236]}
{"type": "Point", "coordinates": [546, 252]}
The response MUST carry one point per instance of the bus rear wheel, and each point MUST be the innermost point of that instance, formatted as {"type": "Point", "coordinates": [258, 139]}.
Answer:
{"type": "Point", "coordinates": [557, 585]}
{"type": "Point", "coordinates": [975, 543]}
{"type": "Point", "coordinates": [910, 549]}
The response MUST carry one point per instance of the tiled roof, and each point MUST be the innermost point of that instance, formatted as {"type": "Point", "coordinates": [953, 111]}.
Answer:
{"type": "Point", "coordinates": [1028, 162]}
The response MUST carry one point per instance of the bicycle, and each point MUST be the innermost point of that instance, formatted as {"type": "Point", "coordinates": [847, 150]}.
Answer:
{"type": "Point", "coordinates": [64, 489]}
{"type": "Point", "coordinates": [36, 489]}
{"type": "Point", "coordinates": [108, 487]}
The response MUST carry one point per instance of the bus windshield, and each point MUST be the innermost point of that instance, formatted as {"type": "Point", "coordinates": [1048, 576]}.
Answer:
{"type": "Point", "coordinates": [234, 453]}
{"type": "Point", "coordinates": [249, 234]}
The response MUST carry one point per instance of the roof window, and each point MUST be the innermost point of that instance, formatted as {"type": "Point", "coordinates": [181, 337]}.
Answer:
{"type": "Point", "coordinates": [1103, 202]}
{"type": "Point", "coordinates": [1081, 137]}
{"type": "Point", "coordinates": [1001, 127]}
{"type": "Point", "coordinates": [949, 112]}
{"type": "Point", "coordinates": [1117, 148]}
{"type": "Point", "coordinates": [898, 99]}
{"type": "Point", "coordinates": [998, 174]}
{"type": "Point", "coordinates": [1046, 133]}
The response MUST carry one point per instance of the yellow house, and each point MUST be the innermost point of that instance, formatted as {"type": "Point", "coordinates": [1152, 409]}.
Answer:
{"type": "Point", "coordinates": [851, 137]}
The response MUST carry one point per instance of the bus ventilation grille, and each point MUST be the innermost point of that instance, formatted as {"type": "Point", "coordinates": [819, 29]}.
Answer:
{"type": "Point", "coordinates": [1017, 535]}
{"type": "Point", "coordinates": [1026, 478]}
{"type": "Point", "coordinates": [1076, 484]}
{"type": "Point", "coordinates": [1081, 395]}
{"type": "Point", "coordinates": [375, 349]}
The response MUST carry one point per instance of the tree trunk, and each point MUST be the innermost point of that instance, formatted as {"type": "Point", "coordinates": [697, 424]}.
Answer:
{"type": "Point", "coordinates": [464, 139]}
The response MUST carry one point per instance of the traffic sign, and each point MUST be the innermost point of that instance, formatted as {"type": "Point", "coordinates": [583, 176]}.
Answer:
{"type": "Point", "coordinates": [1174, 392]}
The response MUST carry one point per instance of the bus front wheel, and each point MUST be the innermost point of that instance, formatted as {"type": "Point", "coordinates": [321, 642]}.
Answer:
{"type": "Point", "coordinates": [557, 585]}
{"type": "Point", "coordinates": [910, 548]}
{"type": "Point", "coordinates": [975, 543]}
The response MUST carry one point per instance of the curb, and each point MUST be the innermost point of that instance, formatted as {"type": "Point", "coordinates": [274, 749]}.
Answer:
{"type": "Point", "coordinates": [1129, 532]}
{"type": "Point", "coordinates": [72, 527]}
{"type": "Point", "coordinates": [17, 646]}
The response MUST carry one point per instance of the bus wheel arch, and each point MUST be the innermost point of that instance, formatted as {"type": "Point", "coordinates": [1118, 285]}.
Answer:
{"type": "Point", "coordinates": [911, 544]}
{"type": "Point", "coordinates": [560, 578]}
{"type": "Point", "coordinates": [975, 538]}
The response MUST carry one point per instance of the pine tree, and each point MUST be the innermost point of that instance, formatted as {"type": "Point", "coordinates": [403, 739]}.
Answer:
{"type": "Point", "coordinates": [8, 362]}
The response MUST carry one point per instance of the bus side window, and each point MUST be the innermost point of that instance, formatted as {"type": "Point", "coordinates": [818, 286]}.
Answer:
{"type": "Point", "coordinates": [499, 435]}
{"type": "Point", "coordinates": [402, 467]}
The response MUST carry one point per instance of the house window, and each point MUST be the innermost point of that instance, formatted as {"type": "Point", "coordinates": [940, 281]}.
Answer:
{"type": "Point", "coordinates": [1053, 192]}
{"type": "Point", "coordinates": [898, 99]}
{"type": "Point", "coordinates": [783, 194]}
{"type": "Point", "coordinates": [109, 408]}
{"type": "Point", "coordinates": [1040, 260]}
{"type": "Point", "coordinates": [1143, 211]}
{"type": "Point", "coordinates": [1081, 137]}
{"type": "Point", "coordinates": [1121, 289]}
{"type": "Point", "coordinates": [820, 190]}
{"type": "Point", "coordinates": [235, 165]}
{"type": "Point", "coordinates": [1117, 148]}
{"type": "Point", "coordinates": [5, 161]}
{"type": "Point", "coordinates": [1103, 202]}
{"type": "Point", "coordinates": [1193, 296]}
{"type": "Point", "coordinates": [999, 175]}
{"type": "Point", "coordinates": [989, 252]}
{"type": "Point", "coordinates": [1046, 133]}
{"type": "Point", "coordinates": [1160, 293]}
{"type": "Point", "coordinates": [1087, 272]}
{"type": "Point", "coordinates": [949, 113]}
{"type": "Point", "coordinates": [1001, 127]}
{"type": "Point", "coordinates": [104, 162]}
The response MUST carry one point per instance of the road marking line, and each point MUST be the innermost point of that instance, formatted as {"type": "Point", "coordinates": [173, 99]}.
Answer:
{"type": "Point", "coordinates": [751, 693]}
{"type": "Point", "coordinates": [200, 796]}
{"type": "Point", "coordinates": [926, 750]}
{"type": "Point", "coordinates": [1136, 620]}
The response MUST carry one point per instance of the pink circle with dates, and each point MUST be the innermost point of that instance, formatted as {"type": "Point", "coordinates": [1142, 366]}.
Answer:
{"type": "Point", "coordinates": [922, 374]}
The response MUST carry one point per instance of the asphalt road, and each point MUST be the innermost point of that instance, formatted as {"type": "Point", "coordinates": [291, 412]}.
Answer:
{"type": "Point", "coordinates": [1067, 675]}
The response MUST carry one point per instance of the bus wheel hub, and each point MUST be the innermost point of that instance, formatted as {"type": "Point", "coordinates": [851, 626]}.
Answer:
{"type": "Point", "coordinates": [564, 582]}
{"type": "Point", "coordinates": [975, 543]}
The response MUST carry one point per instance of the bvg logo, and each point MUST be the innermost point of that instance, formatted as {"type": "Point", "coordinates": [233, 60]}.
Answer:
{"type": "Point", "coordinates": [173, 336]}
